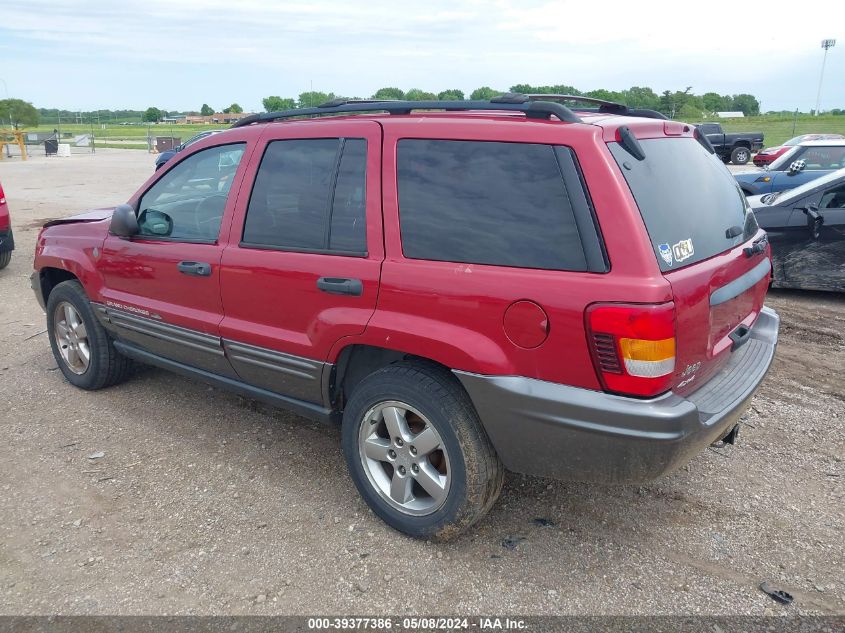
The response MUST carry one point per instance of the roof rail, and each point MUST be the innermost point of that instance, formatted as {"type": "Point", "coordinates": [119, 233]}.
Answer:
{"type": "Point", "coordinates": [604, 106]}
{"type": "Point", "coordinates": [534, 109]}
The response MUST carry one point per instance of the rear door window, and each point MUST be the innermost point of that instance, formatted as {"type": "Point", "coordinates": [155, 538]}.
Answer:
{"type": "Point", "coordinates": [309, 196]}
{"type": "Point", "coordinates": [692, 207]}
{"type": "Point", "coordinates": [503, 204]}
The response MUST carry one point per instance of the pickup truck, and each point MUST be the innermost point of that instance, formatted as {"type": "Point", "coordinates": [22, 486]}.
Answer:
{"type": "Point", "coordinates": [732, 148]}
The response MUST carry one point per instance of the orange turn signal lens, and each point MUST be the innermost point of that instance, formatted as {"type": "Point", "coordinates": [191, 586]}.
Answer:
{"type": "Point", "coordinates": [648, 359]}
{"type": "Point", "coordinates": [639, 349]}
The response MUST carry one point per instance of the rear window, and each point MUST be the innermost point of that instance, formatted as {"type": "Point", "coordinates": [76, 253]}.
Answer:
{"type": "Point", "coordinates": [503, 204]}
{"type": "Point", "coordinates": [689, 201]}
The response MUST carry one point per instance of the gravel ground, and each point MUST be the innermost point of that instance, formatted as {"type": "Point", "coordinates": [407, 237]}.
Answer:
{"type": "Point", "coordinates": [206, 503]}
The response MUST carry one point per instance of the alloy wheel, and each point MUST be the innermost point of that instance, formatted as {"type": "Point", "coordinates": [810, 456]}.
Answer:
{"type": "Point", "coordinates": [71, 337]}
{"type": "Point", "coordinates": [404, 458]}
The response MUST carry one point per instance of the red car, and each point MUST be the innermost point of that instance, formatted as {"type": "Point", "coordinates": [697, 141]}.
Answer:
{"type": "Point", "coordinates": [7, 240]}
{"type": "Point", "coordinates": [506, 284]}
{"type": "Point", "coordinates": [768, 155]}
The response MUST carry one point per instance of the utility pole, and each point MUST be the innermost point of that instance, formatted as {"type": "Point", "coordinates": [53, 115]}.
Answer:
{"type": "Point", "coordinates": [826, 44]}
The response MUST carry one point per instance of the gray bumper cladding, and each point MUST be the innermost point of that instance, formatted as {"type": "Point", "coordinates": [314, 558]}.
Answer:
{"type": "Point", "coordinates": [552, 430]}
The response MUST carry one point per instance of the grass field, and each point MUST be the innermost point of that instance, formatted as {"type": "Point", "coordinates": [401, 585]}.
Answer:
{"type": "Point", "coordinates": [777, 129]}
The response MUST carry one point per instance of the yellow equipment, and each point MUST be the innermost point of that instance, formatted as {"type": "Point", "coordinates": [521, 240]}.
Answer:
{"type": "Point", "coordinates": [17, 136]}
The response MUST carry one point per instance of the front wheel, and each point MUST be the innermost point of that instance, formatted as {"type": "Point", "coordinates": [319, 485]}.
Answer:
{"type": "Point", "coordinates": [417, 452]}
{"type": "Point", "coordinates": [81, 346]}
{"type": "Point", "coordinates": [740, 155]}
{"type": "Point", "coordinates": [5, 258]}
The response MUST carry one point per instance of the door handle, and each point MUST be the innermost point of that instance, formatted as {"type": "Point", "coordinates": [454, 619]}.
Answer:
{"type": "Point", "coordinates": [340, 286]}
{"type": "Point", "coordinates": [197, 269]}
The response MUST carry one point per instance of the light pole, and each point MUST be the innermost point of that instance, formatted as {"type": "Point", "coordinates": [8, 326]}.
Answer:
{"type": "Point", "coordinates": [826, 44]}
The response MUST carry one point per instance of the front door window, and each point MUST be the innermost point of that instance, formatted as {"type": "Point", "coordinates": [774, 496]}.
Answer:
{"type": "Point", "coordinates": [186, 204]}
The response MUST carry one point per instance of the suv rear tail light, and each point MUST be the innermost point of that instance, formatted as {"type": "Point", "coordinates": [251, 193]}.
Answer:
{"type": "Point", "coordinates": [633, 346]}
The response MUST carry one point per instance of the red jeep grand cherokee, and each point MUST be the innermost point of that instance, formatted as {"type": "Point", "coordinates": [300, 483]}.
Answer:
{"type": "Point", "coordinates": [507, 284]}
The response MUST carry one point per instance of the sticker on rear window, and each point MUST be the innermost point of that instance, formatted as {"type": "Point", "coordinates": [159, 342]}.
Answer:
{"type": "Point", "coordinates": [683, 250]}
{"type": "Point", "coordinates": [666, 253]}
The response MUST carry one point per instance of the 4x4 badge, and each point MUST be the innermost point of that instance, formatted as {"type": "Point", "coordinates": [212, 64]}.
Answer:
{"type": "Point", "coordinates": [665, 253]}
{"type": "Point", "coordinates": [683, 250]}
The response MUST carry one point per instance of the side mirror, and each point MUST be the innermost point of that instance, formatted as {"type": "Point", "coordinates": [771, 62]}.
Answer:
{"type": "Point", "coordinates": [123, 221]}
{"type": "Point", "coordinates": [815, 220]}
{"type": "Point", "coordinates": [796, 167]}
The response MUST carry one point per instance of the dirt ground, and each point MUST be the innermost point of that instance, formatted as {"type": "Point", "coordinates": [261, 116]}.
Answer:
{"type": "Point", "coordinates": [205, 503]}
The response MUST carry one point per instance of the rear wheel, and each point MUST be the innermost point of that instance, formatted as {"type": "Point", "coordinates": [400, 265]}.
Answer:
{"type": "Point", "coordinates": [5, 258]}
{"type": "Point", "coordinates": [83, 349]}
{"type": "Point", "coordinates": [417, 452]}
{"type": "Point", "coordinates": [740, 155]}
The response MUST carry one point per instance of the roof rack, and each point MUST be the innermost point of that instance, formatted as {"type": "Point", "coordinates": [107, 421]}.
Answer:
{"type": "Point", "coordinates": [604, 106]}
{"type": "Point", "coordinates": [534, 109]}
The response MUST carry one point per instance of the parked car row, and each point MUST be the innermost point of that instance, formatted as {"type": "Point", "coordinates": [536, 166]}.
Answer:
{"type": "Point", "coordinates": [768, 155]}
{"type": "Point", "coordinates": [798, 165]}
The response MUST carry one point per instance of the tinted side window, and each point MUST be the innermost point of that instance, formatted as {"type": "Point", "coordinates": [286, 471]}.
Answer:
{"type": "Point", "coordinates": [503, 204]}
{"type": "Point", "coordinates": [187, 203]}
{"type": "Point", "coordinates": [309, 195]}
{"type": "Point", "coordinates": [291, 194]}
{"type": "Point", "coordinates": [348, 224]}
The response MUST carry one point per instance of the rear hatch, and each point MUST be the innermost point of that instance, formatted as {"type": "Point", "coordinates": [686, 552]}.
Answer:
{"type": "Point", "coordinates": [708, 246]}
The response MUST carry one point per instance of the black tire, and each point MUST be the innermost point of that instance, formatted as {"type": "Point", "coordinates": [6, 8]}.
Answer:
{"type": "Point", "coordinates": [5, 258]}
{"type": "Point", "coordinates": [106, 365]}
{"type": "Point", "coordinates": [740, 155]}
{"type": "Point", "coordinates": [475, 471]}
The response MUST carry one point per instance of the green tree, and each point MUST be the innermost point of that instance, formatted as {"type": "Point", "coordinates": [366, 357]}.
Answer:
{"type": "Point", "coordinates": [233, 109]}
{"type": "Point", "coordinates": [714, 102]}
{"type": "Point", "coordinates": [689, 112]}
{"type": "Point", "coordinates": [206, 110]}
{"type": "Point", "coordinates": [277, 104]}
{"type": "Point", "coordinates": [389, 93]}
{"type": "Point", "coordinates": [639, 97]}
{"type": "Point", "coordinates": [606, 95]}
{"type": "Point", "coordinates": [748, 104]}
{"type": "Point", "coordinates": [312, 99]}
{"type": "Point", "coordinates": [559, 89]}
{"type": "Point", "coordinates": [671, 103]}
{"type": "Point", "coordinates": [18, 112]}
{"type": "Point", "coordinates": [415, 94]}
{"type": "Point", "coordinates": [451, 95]}
{"type": "Point", "coordinates": [485, 93]}
{"type": "Point", "coordinates": [151, 115]}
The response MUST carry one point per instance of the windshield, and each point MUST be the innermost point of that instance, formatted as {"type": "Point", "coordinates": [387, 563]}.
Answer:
{"type": "Point", "coordinates": [689, 201]}
{"type": "Point", "coordinates": [784, 197]}
{"type": "Point", "coordinates": [794, 141]}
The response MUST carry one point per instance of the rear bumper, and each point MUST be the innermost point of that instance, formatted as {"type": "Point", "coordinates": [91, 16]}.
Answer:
{"type": "Point", "coordinates": [764, 159]}
{"type": "Point", "coordinates": [7, 241]}
{"type": "Point", "coordinates": [552, 430]}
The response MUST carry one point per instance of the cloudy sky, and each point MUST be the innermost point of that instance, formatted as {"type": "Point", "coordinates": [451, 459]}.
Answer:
{"type": "Point", "coordinates": [177, 54]}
